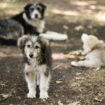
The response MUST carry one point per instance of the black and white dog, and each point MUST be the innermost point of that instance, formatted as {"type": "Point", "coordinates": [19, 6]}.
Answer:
{"type": "Point", "coordinates": [30, 21]}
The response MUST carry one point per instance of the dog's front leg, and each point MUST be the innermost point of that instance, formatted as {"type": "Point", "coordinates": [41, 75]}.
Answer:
{"type": "Point", "coordinates": [44, 85]}
{"type": "Point", "coordinates": [30, 79]}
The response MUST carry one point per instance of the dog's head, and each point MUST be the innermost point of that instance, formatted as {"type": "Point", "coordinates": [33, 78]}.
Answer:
{"type": "Point", "coordinates": [34, 47]}
{"type": "Point", "coordinates": [35, 11]}
{"type": "Point", "coordinates": [89, 42]}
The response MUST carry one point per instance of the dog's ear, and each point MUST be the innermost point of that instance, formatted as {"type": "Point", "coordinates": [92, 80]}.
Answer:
{"type": "Point", "coordinates": [42, 5]}
{"type": "Point", "coordinates": [21, 41]}
{"type": "Point", "coordinates": [26, 8]}
{"type": "Point", "coordinates": [92, 41]}
{"type": "Point", "coordinates": [45, 41]}
{"type": "Point", "coordinates": [46, 51]}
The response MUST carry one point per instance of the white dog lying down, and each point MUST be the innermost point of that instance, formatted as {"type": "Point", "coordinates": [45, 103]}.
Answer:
{"type": "Point", "coordinates": [94, 50]}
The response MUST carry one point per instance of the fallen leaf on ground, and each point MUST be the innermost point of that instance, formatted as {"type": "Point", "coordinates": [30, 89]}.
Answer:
{"type": "Point", "coordinates": [59, 103]}
{"type": "Point", "coordinates": [65, 27]}
{"type": "Point", "coordinates": [4, 96]}
{"type": "Point", "coordinates": [98, 99]}
{"type": "Point", "coordinates": [3, 83]}
{"type": "Point", "coordinates": [78, 28]}
{"type": "Point", "coordinates": [57, 95]}
{"type": "Point", "coordinates": [75, 103]}
{"type": "Point", "coordinates": [58, 82]}
{"type": "Point", "coordinates": [98, 68]}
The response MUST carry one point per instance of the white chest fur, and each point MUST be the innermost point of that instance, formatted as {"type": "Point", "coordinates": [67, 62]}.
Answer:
{"type": "Point", "coordinates": [39, 24]}
{"type": "Point", "coordinates": [35, 68]}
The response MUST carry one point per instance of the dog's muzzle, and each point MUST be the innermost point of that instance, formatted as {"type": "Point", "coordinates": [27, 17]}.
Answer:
{"type": "Point", "coordinates": [31, 55]}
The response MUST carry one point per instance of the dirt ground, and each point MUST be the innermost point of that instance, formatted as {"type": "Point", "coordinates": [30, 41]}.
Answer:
{"type": "Point", "coordinates": [69, 85]}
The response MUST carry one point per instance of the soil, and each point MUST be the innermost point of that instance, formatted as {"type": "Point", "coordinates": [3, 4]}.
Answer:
{"type": "Point", "coordinates": [69, 85]}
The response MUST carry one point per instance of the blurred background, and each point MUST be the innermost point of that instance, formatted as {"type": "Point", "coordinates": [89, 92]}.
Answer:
{"type": "Point", "coordinates": [66, 16]}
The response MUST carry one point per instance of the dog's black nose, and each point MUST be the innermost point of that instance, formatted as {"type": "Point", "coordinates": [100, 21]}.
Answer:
{"type": "Point", "coordinates": [36, 15]}
{"type": "Point", "coordinates": [31, 55]}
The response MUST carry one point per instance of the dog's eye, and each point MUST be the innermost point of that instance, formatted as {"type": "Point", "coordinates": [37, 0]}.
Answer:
{"type": "Point", "coordinates": [31, 9]}
{"type": "Point", "coordinates": [28, 46]}
{"type": "Point", "coordinates": [36, 47]}
{"type": "Point", "coordinates": [38, 8]}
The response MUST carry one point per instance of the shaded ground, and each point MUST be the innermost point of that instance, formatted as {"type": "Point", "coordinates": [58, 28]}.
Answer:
{"type": "Point", "coordinates": [69, 85]}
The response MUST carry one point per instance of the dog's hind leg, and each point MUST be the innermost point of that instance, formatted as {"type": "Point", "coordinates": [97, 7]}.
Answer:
{"type": "Point", "coordinates": [30, 79]}
{"type": "Point", "coordinates": [44, 85]}
{"type": "Point", "coordinates": [85, 63]}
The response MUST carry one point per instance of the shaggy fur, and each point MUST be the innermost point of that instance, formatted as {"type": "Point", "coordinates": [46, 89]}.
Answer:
{"type": "Point", "coordinates": [37, 64]}
{"type": "Point", "coordinates": [30, 21]}
{"type": "Point", "coordinates": [94, 50]}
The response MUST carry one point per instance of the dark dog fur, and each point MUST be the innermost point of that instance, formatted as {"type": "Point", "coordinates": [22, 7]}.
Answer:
{"type": "Point", "coordinates": [30, 21]}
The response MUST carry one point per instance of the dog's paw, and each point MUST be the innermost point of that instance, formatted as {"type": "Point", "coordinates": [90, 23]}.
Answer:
{"type": "Point", "coordinates": [43, 95]}
{"type": "Point", "coordinates": [73, 63]}
{"type": "Point", "coordinates": [31, 95]}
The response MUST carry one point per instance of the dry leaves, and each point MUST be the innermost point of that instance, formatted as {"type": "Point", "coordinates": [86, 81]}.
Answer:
{"type": "Point", "coordinates": [98, 99]}
{"type": "Point", "coordinates": [59, 103]}
{"type": "Point", "coordinates": [75, 103]}
{"type": "Point", "coordinates": [58, 82]}
{"type": "Point", "coordinates": [4, 96]}
{"type": "Point", "coordinates": [3, 83]}
{"type": "Point", "coordinates": [78, 28]}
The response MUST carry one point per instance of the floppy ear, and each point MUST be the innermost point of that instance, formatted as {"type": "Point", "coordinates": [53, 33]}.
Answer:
{"type": "Point", "coordinates": [26, 8]}
{"type": "Point", "coordinates": [45, 45]}
{"type": "Point", "coordinates": [46, 51]}
{"type": "Point", "coordinates": [42, 5]}
{"type": "Point", "coordinates": [92, 41]}
{"type": "Point", "coordinates": [45, 41]}
{"type": "Point", "coordinates": [21, 41]}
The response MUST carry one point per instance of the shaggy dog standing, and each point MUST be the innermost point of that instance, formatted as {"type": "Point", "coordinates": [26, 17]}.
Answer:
{"type": "Point", "coordinates": [37, 64]}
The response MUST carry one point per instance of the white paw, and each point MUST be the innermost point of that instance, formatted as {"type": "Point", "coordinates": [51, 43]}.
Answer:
{"type": "Point", "coordinates": [31, 95]}
{"type": "Point", "coordinates": [74, 63]}
{"type": "Point", "coordinates": [43, 95]}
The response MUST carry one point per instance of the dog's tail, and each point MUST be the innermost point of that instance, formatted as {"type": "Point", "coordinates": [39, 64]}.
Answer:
{"type": "Point", "coordinates": [8, 41]}
{"type": "Point", "coordinates": [54, 36]}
